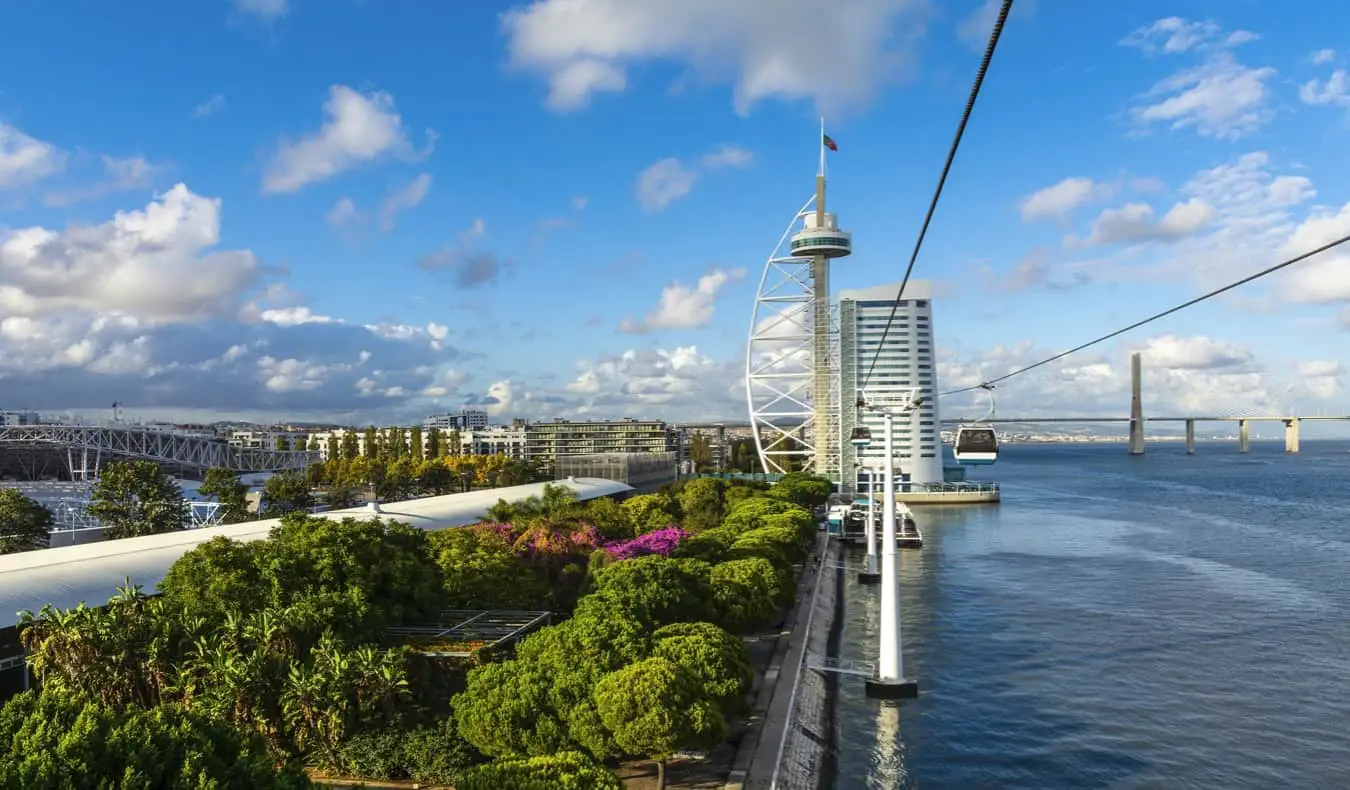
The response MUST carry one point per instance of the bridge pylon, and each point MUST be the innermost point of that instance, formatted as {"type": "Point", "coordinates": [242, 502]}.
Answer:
{"type": "Point", "coordinates": [1136, 404]}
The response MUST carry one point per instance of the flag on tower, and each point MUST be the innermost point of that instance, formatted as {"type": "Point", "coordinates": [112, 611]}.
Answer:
{"type": "Point", "coordinates": [828, 142]}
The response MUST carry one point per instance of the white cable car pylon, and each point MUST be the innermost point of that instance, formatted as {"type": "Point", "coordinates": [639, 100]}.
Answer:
{"type": "Point", "coordinates": [976, 443]}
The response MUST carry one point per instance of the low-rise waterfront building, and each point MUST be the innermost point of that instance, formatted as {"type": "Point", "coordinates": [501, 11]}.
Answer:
{"type": "Point", "coordinates": [547, 442]}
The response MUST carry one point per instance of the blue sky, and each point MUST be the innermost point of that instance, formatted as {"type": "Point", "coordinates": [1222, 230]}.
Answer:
{"type": "Point", "coordinates": [390, 208]}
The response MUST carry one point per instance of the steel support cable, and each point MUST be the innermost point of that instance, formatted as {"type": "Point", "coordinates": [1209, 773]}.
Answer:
{"type": "Point", "coordinates": [1197, 300]}
{"type": "Point", "coordinates": [942, 180]}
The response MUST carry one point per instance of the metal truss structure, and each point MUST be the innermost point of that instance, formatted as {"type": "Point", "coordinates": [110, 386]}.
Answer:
{"type": "Point", "coordinates": [69, 506]}
{"type": "Point", "coordinates": [461, 632]}
{"type": "Point", "coordinates": [85, 446]}
{"type": "Point", "coordinates": [783, 365]}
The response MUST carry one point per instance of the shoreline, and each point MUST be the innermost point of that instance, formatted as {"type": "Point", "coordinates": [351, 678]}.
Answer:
{"type": "Point", "coordinates": [800, 727]}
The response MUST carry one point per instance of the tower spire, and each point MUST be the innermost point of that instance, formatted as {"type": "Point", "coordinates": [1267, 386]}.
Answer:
{"type": "Point", "coordinates": [820, 179]}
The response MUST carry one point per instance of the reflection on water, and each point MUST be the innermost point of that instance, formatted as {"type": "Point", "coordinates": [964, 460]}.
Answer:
{"type": "Point", "coordinates": [1166, 621]}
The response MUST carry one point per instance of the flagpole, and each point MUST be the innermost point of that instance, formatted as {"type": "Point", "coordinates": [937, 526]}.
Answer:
{"type": "Point", "coordinates": [821, 171]}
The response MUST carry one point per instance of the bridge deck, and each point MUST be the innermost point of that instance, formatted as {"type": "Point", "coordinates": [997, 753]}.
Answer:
{"type": "Point", "coordinates": [146, 443]}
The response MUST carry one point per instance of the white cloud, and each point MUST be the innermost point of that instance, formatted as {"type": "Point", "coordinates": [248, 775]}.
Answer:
{"type": "Point", "coordinates": [343, 214]}
{"type": "Point", "coordinates": [211, 106]}
{"type": "Point", "coordinates": [359, 128]}
{"type": "Point", "coordinates": [25, 159]}
{"type": "Point", "coordinates": [145, 309]}
{"type": "Point", "coordinates": [1058, 201]}
{"type": "Point", "coordinates": [294, 316]}
{"type": "Point", "coordinates": [410, 196]}
{"type": "Point", "coordinates": [1251, 210]}
{"type": "Point", "coordinates": [1193, 353]}
{"type": "Point", "coordinates": [1182, 376]}
{"type": "Point", "coordinates": [1220, 98]}
{"type": "Point", "coordinates": [1134, 223]}
{"type": "Point", "coordinates": [156, 264]}
{"type": "Point", "coordinates": [264, 10]}
{"type": "Point", "coordinates": [119, 175]}
{"type": "Point", "coordinates": [726, 156]}
{"type": "Point", "coordinates": [1322, 57]}
{"type": "Point", "coordinates": [975, 29]}
{"type": "Point", "coordinates": [663, 183]}
{"type": "Point", "coordinates": [1325, 278]}
{"type": "Point", "coordinates": [1335, 90]}
{"type": "Point", "coordinates": [683, 306]}
{"type": "Point", "coordinates": [1174, 35]}
{"type": "Point", "coordinates": [668, 180]}
{"type": "Point", "coordinates": [784, 49]}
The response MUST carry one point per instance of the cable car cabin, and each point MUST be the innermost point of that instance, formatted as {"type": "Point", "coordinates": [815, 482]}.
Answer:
{"type": "Point", "coordinates": [975, 446]}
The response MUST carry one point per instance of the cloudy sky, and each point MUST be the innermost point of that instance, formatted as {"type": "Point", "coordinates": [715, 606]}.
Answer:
{"type": "Point", "coordinates": [353, 210]}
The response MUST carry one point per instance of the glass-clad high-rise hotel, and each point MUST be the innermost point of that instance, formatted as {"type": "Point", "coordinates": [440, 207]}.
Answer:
{"type": "Point", "coordinates": [906, 361]}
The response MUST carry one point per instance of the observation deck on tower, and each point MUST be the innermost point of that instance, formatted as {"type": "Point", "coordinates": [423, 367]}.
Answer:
{"type": "Point", "coordinates": [825, 238]}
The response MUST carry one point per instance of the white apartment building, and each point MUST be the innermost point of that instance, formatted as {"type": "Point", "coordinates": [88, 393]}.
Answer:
{"type": "Point", "coordinates": [18, 418]}
{"type": "Point", "coordinates": [906, 361]}
{"type": "Point", "coordinates": [267, 440]}
{"type": "Point", "coordinates": [463, 420]}
{"type": "Point", "coordinates": [495, 440]}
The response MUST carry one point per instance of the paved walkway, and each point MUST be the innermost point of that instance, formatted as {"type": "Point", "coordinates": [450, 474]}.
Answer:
{"type": "Point", "coordinates": [759, 749]}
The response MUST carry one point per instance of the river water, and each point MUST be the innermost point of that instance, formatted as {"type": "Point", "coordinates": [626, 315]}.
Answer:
{"type": "Point", "coordinates": [1156, 622]}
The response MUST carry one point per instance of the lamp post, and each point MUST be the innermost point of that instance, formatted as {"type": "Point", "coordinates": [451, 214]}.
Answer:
{"type": "Point", "coordinates": [890, 681]}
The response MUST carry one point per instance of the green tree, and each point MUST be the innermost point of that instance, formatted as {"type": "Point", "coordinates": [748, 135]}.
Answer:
{"type": "Point", "coordinates": [702, 504]}
{"type": "Point", "coordinates": [400, 478]}
{"type": "Point", "coordinates": [415, 443]}
{"type": "Point", "coordinates": [435, 477]}
{"type": "Point", "coordinates": [371, 441]}
{"type": "Point", "coordinates": [219, 577]}
{"type": "Point", "coordinates": [701, 453]}
{"type": "Point", "coordinates": [504, 711]}
{"type": "Point", "coordinates": [750, 513]}
{"type": "Point", "coordinates": [803, 489]}
{"type": "Point", "coordinates": [134, 498]}
{"type": "Point", "coordinates": [748, 592]}
{"type": "Point", "coordinates": [286, 492]}
{"type": "Point", "coordinates": [435, 443]}
{"type": "Point", "coordinates": [718, 660]}
{"type": "Point", "coordinates": [608, 516]}
{"type": "Point", "coordinates": [481, 571]}
{"type": "Point", "coordinates": [574, 655]}
{"type": "Point", "coordinates": [655, 590]}
{"type": "Point", "coordinates": [229, 491]}
{"type": "Point", "coordinates": [55, 741]}
{"type": "Point", "coordinates": [560, 771]}
{"type": "Point", "coordinates": [652, 511]}
{"type": "Point", "coordinates": [24, 523]}
{"type": "Point", "coordinates": [655, 708]}
{"type": "Point", "coordinates": [351, 446]}
{"type": "Point", "coordinates": [282, 443]}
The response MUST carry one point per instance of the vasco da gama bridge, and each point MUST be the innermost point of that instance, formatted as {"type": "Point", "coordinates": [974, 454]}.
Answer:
{"type": "Point", "coordinates": [74, 452]}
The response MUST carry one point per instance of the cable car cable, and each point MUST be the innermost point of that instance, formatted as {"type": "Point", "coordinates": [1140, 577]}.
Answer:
{"type": "Point", "coordinates": [946, 168]}
{"type": "Point", "coordinates": [1197, 300]}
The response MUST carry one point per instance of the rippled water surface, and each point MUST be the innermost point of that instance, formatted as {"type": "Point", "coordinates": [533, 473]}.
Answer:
{"type": "Point", "coordinates": [1156, 622]}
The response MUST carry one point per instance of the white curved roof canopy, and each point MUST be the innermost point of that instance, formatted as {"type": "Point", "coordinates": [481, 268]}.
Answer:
{"type": "Point", "coordinates": [91, 572]}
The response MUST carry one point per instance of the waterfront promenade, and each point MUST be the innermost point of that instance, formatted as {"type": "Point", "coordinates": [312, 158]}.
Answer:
{"type": "Point", "coordinates": [787, 731]}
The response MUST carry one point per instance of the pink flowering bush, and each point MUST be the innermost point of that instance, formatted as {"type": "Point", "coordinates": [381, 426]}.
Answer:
{"type": "Point", "coordinates": [662, 541]}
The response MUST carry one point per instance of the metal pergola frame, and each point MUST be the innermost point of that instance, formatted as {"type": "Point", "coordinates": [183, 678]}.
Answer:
{"type": "Point", "coordinates": [494, 628]}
